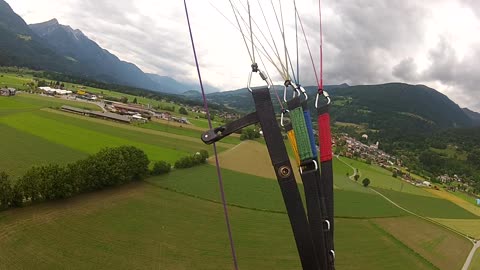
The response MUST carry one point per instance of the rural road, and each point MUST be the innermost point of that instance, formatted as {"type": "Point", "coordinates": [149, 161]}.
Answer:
{"type": "Point", "coordinates": [476, 245]}
{"type": "Point", "coordinates": [466, 266]}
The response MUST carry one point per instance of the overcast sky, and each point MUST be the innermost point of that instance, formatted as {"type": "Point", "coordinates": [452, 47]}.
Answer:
{"type": "Point", "coordinates": [432, 42]}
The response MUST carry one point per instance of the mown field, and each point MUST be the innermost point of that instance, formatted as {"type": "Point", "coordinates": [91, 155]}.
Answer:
{"type": "Point", "coordinates": [262, 193]}
{"type": "Point", "coordinates": [144, 226]}
{"type": "Point", "coordinates": [438, 245]}
{"type": "Point", "coordinates": [53, 136]}
{"type": "Point", "coordinates": [476, 261]}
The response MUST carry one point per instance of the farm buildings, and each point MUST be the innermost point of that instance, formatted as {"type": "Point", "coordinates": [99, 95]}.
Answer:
{"type": "Point", "coordinates": [7, 92]}
{"type": "Point", "coordinates": [104, 115]}
{"type": "Point", "coordinates": [54, 91]}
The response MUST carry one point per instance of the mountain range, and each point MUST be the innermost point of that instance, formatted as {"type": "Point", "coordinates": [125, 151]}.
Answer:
{"type": "Point", "coordinates": [395, 107]}
{"type": "Point", "coordinates": [56, 47]}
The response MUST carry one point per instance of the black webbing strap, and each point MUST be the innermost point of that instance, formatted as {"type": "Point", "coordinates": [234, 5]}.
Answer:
{"type": "Point", "coordinates": [217, 134]}
{"type": "Point", "coordinates": [327, 168]}
{"type": "Point", "coordinates": [286, 179]}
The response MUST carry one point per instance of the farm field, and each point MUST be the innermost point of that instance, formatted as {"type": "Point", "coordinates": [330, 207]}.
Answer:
{"type": "Point", "coordinates": [21, 150]}
{"type": "Point", "coordinates": [382, 178]}
{"type": "Point", "coordinates": [428, 206]}
{"type": "Point", "coordinates": [456, 199]}
{"type": "Point", "coordinates": [175, 221]}
{"type": "Point", "coordinates": [142, 226]}
{"type": "Point", "coordinates": [442, 248]}
{"type": "Point", "coordinates": [29, 102]}
{"type": "Point", "coordinates": [476, 261]}
{"type": "Point", "coordinates": [54, 136]}
{"type": "Point", "coordinates": [262, 193]}
{"type": "Point", "coordinates": [184, 130]}
{"type": "Point", "coordinates": [470, 227]}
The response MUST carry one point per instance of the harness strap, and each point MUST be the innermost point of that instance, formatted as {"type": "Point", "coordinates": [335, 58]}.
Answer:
{"type": "Point", "coordinates": [286, 179]}
{"type": "Point", "coordinates": [314, 196]}
{"type": "Point", "coordinates": [326, 155]}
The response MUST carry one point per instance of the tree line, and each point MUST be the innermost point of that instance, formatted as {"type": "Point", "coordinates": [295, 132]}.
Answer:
{"type": "Point", "coordinates": [109, 167]}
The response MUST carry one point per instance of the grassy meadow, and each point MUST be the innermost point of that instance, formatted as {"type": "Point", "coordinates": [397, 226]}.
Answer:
{"type": "Point", "coordinates": [476, 261]}
{"type": "Point", "coordinates": [35, 135]}
{"type": "Point", "coordinates": [144, 226]}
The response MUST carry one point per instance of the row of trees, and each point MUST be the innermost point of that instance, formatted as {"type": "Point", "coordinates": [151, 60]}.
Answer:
{"type": "Point", "coordinates": [191, 161]}
{"type": "Point", "coordinates": [109, 167]}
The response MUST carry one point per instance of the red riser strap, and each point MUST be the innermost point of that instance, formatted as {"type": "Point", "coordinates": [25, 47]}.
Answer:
{"type": "Point", "coordinates": [325, 137]}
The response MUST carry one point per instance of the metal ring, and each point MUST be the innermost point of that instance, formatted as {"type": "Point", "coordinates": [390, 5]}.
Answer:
{"type": "Point", "coordinates": [327, 97]}
{"type": "Point", "coordinates": [332, 252]}
{"type": "Point", "coordinates": [328, 224]}
{"type": "Point", "coordinates": [281, 116]}
{"type": "Point", "coordinates": [262, 75]}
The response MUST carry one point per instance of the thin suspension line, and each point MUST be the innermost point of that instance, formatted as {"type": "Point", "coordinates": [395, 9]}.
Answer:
{"type": "Point", "coordinates": [320, 84]}
{"type": "Point", "coordinates": [273, 48]}
{"type": "Point", "coordinates": [251, 31]}
{"type": "Point", "coordinates": [283, 35]}
{"type": "Point", "coordinates": [241, 31]}
{"type": "Point", "coordinates": [308, 47]}
{"type": "Point", "coordinates": [296, 40]}
{"type": "Point", "coordinates": [264, 52]}
{"type": "Point", "coordinates": [219, 174]}
{"type": "Point", "coordinates": [277, 53]}
{"type": "Point", "coordinates": [255, 36]}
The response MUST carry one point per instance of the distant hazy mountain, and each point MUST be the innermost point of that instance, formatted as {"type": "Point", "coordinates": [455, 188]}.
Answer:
{"type": "Point", "coordinates": [55, 47]}
{"type": "Point", "coordinates": [241, 99]}
{"type": "Point", "coordinates": [475, 116]}
{"type": "Point", "coordinates": [170, 85]}
{"type": "Point", "coordinates": [20, 46]}
{"type": "Point", "coordinates": [394, 107]}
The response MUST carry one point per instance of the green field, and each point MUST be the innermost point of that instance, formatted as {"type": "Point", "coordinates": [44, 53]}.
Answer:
{"type": "Point", "coordinates": [438, 245]}
{"type": "Point", "coordinates": [476, 261]}
{"type": "Point", "coordinates": [261, 193]}
{"type": "Point", "coordinates": [184, 131]}
{"type": "Point", "coordinates": [29, 102]}
{"type": "Point", "coordinates": [14, 80]}
{"type": "Point", "coordinates": [428, 206]}
{"type": "Point", "coordinates": [382, 178]}
{"type": "Point", "coordinates": [61, 137]}
{"type": "Point", "coordinates": [145, 227]}
{"type": "Point", "coordinates": [20, 150]}
{"type": "Point", "coordinates": [175, 221]}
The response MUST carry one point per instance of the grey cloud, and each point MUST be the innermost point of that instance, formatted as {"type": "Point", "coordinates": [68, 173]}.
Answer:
{"type": "Point", "coordinates": [461, 74]}
{"type": "Point", "coordinates": [406, 70]}
{"type": "Point", "coordinates": [362, 38]}
{"type": "Point", "coordinates": [137, 38]}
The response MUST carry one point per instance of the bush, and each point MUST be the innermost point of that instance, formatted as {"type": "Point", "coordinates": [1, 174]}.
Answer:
{"type": "Point", "coordinates": [357, 176]}
{"type": "Point", "coordinates": [109, 167]}
{"type": "Point", "coordinates": [190, 161]}
{"type": "Point", "coordinates": [249, 134]}
{"type": "Point", "coordinates": [183, 111]}
{"type": "Point", "coordinates": [161, 167]}
{"type": "Point", "coordinates": [6, 192]}
{"type": "Point", "coordinates": [366, 182]}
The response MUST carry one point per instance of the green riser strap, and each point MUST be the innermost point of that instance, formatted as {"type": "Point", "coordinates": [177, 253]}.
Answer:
{"type": "Point", "coordinates": [301, 133]}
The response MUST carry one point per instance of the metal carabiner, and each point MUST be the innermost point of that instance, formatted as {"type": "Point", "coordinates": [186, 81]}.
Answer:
{"type": "Point", "coordinates": [286, 84]}
{"type": "Point", "coordinates": [303, 92]}
{"type": "Point", "coordinates": [281, 116]}
{"type": "Point", "coordinates": [264, 77]}
{"type": "Point", "coordinates": [327, 97]}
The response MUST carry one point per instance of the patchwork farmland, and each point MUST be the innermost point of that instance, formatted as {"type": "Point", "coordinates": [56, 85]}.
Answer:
{"type": "Point", "coordinates": [175, 221]}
